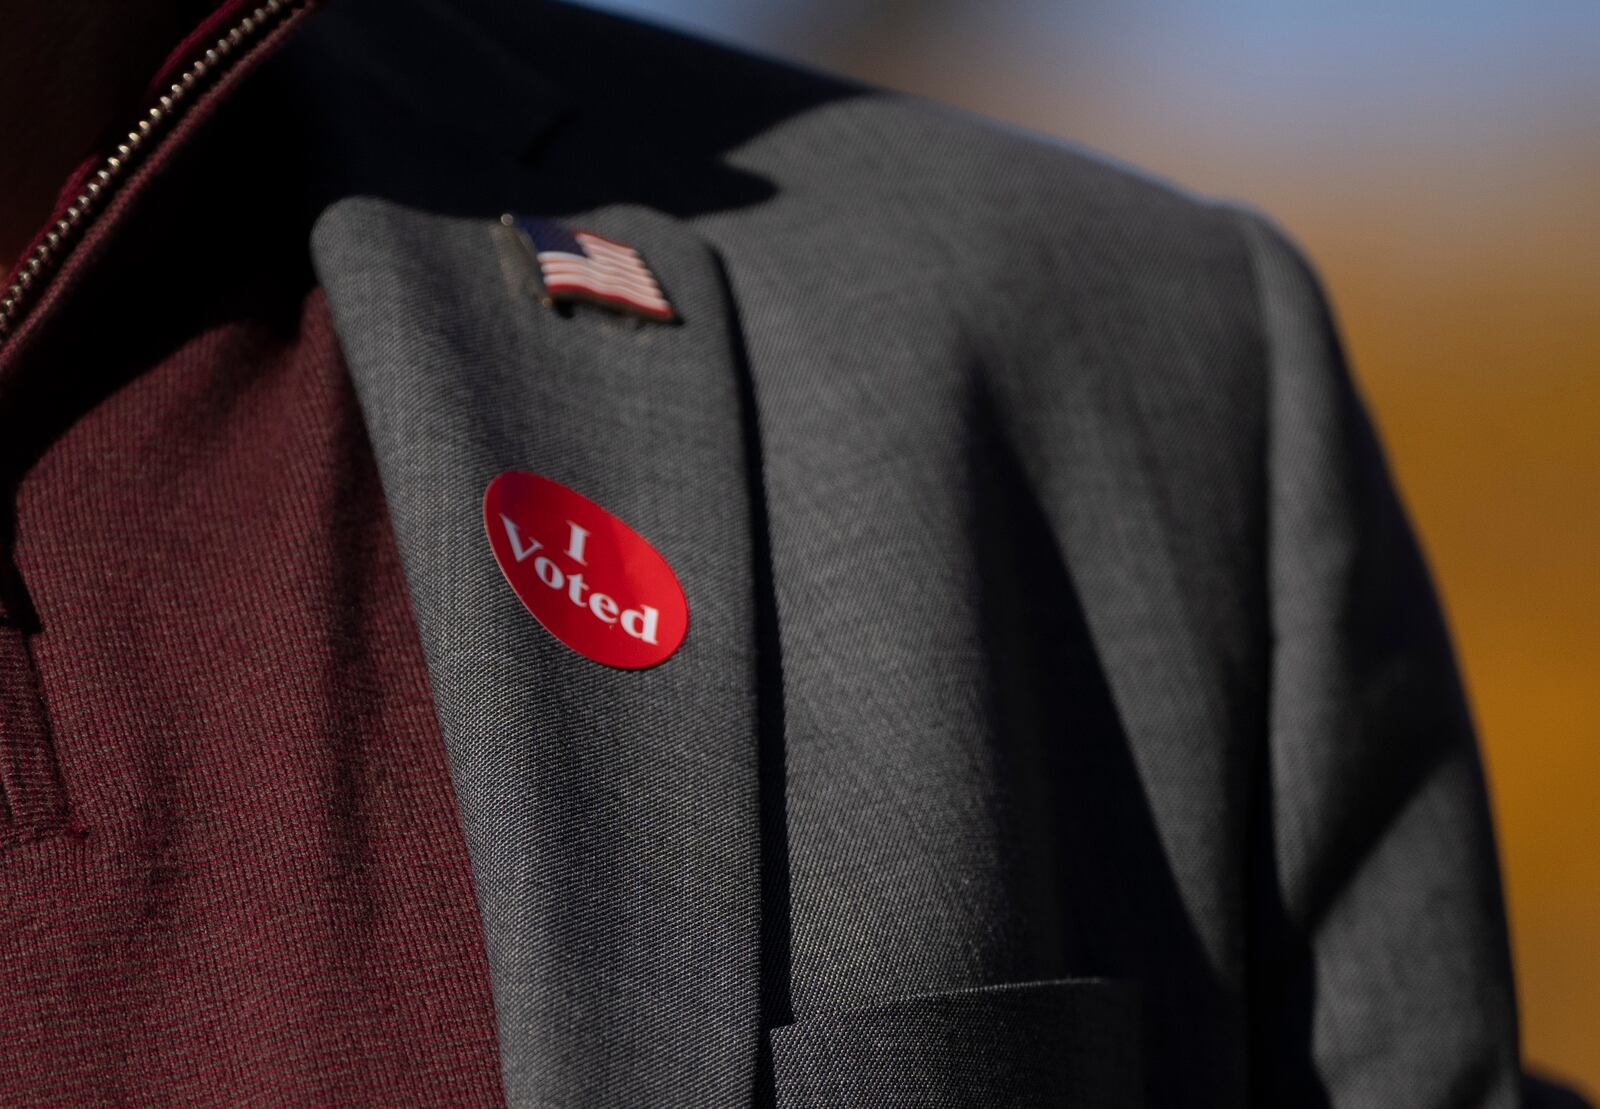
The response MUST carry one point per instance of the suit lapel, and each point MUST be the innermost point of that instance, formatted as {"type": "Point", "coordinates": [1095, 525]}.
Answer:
{"type": "Point", "coordinates": [610, 815]}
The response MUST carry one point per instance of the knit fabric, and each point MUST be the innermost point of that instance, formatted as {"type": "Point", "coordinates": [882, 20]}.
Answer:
{"type": "Point", "coordinates": [247, 882]}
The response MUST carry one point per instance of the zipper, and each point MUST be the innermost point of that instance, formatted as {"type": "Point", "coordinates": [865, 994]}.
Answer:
{"type": "Point", "coordinates": [33, 803]}
{"type": "Point", "coordinates": [32, 275]}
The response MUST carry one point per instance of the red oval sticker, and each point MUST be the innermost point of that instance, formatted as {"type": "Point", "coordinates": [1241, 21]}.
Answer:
{"type": "Point", "coordinates": [590, 579]}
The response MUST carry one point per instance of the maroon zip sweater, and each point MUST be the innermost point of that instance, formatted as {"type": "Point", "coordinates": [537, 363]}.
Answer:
{"type": "Point", "coordinates": [231, 868]}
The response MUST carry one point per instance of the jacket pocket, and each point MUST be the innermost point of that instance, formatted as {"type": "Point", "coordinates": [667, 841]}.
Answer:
{"type": "Point", "coordinates": [32, 803]}
{"type": "Point", "coordinates": [1067, 1042]}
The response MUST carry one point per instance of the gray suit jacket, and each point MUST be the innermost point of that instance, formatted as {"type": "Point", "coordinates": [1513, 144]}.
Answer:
{"type": "Point", "coordinates": [1066, 717]}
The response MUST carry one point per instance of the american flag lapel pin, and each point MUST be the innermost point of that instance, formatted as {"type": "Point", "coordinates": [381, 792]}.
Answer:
{"type": "Point", "coordinates": [579, 265]}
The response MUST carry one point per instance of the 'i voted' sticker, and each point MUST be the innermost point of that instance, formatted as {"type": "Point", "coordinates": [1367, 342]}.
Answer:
{"type": "Point", "coordinates": [590, 579]}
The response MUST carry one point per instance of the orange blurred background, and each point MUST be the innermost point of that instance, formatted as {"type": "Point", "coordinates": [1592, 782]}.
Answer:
{"type": "Point", "coordinates": [1441, 165]}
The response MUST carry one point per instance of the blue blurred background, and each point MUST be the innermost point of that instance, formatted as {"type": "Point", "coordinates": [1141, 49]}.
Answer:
{"type": "Point", "coordinates": [1441, 164]}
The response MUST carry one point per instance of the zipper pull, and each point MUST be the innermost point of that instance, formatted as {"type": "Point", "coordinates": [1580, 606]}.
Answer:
{"type": "Point", "coordinates": [16, 607]}
{"type": "Point", "coordinates": [32, 802]}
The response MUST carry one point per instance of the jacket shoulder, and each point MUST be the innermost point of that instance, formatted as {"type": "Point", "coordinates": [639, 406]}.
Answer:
{"type": "Point", "coordinates": [827, 183]}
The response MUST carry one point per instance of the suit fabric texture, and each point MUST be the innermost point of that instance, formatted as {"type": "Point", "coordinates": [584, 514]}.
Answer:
{"type": "Point", "coordinates": [1065, 717]}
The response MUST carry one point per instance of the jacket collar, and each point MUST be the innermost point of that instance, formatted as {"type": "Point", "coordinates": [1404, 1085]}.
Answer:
{"type": "Point", "coordinates": [611, 816]}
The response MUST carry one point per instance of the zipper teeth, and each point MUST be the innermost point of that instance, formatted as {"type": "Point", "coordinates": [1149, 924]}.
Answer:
{"type": "Point", "coordinates": [32, 274]}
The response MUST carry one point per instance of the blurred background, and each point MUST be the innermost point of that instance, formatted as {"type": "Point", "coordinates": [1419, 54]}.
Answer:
{"type": "Point", "coordinates": [1440, 162]}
